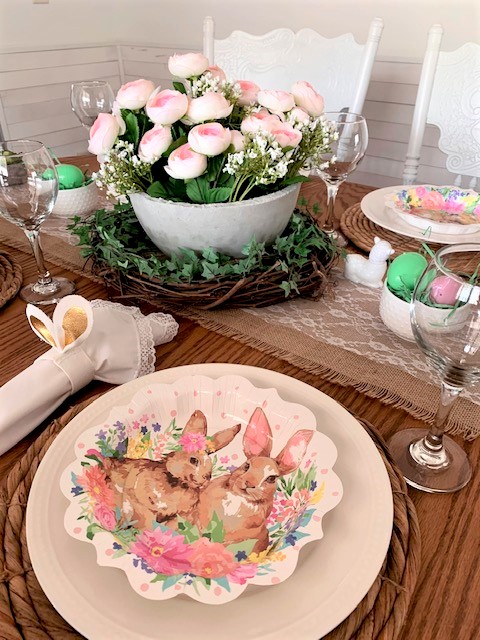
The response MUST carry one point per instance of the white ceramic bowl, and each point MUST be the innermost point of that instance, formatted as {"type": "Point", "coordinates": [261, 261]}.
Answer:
{"type": "Point", "coordinates": [395, 314]}
{"type": "Point", "coordinates": [76, 202]}
{"type": "Point", "coordinates": [225, 226]}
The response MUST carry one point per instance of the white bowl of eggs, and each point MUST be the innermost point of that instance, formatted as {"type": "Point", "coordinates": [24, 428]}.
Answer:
{"type": "Point", "coordinates": [77, 195]}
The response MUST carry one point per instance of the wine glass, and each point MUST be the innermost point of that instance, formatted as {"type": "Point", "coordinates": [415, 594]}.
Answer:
{"type": "Point", "coordinates": [89, 98]}
{"type": "Point", "coordinates": [28, 190]}
{"type": "Point", "coordinates": [342, 157]}
{"type": "Point", "coordinates": [445, 318]}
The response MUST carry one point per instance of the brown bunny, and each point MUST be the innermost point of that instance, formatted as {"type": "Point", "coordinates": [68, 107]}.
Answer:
{"type": "Point", "coordinates": [151, 490]}
{"type": "Point", "coordinates": [243, 499]}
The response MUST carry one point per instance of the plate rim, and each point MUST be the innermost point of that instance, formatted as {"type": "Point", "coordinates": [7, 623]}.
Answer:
{"type": "Point", "coordinates": [59, 588]}
{"type": "Point", "coordinates": [385, 218]}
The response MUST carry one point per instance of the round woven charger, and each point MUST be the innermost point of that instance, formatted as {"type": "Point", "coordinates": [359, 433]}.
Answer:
{"type": "Point", "coordinates": [362, 231]}
{"type": "Point", "coordinates": [26, 613]}
{"type": "Point", "coordinates": [10, 278]}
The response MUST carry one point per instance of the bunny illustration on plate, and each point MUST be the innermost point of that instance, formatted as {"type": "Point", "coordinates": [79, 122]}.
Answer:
{"type": "Point", "coordinates": [243, 499]}
{"type": "Point", "coordinates": [149, 491]}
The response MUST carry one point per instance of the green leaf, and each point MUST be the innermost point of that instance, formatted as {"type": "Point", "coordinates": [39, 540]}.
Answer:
{"type": "Point", "coordinates": [132, 131]}
{"type": "Point", "coordinates": [92, 529]}
{"type": "Point", "coordinates": [246, 546]}
{"type": "Point", "coordinates": [170, 581]}
{"type": "Point", "coordinates": [215, 530]}
{"type": "Point", "coordinates": [187, 529]}
{"type": "Point", "coordinates": [197, 190]}
{"type": "Point", "coordinates": [223, 582]}
{"type": "Point", "coordinates": [179, 86]}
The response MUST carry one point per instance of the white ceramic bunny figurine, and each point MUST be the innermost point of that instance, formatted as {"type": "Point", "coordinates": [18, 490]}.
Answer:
{"type": "Point", "coordinates": [369, 271]}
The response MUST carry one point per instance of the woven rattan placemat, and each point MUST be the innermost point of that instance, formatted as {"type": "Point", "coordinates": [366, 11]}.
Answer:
{"type": "Point", "coordinates": [10, 278]}
{"type": "Point", "coordinates": [26, 613]}
{"type": "Point", "coordinates": [362, 231]}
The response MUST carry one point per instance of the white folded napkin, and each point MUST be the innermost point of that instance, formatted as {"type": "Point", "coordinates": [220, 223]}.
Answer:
{"type": "Point", "coordinates": [90, 340]}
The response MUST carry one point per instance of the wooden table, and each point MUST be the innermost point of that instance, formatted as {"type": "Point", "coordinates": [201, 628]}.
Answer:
{"type": "Point", "coordinates": [445, 605]}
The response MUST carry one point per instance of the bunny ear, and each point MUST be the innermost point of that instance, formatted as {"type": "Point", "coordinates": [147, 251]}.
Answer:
{"type": "Point", "coordinates": [42, 326]}
{"type": "Point", "coordinates": [73, 319]}
{"type": "Point", "coordinates": [197, 423]}
{"type": "Point", "coordinates": [224, 437]}
{"type": "Point", "coordinates": [292, 454]}
{"type": "Point", "coordinates": [257, 440]}
{"type": "Point", "coordinates": [71, 324]}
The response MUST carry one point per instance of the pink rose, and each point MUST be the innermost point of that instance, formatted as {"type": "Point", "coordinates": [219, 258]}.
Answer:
{"type": "Point", "coordinates": [260, 120]}
{"type": "Point", "coordinates": [166, 107]}
{"type": "Point", "coordinates": [211, 559]}
{"type": "Point", "coordinates": [211, 106]}
{"type": "Point", "coordinates": [238, 141]}
{"type": "Point", "coordinates": [105, 517]}
{"type": "Point", "coordinates": [307, 98]}
{"type": "Point", "coordinates": [249, 92]}
{"type": "Point", "coordinates": [187, 65]}
{"type": "Point", "coordinates": [420, 191]}
{"type": "Point", "coordinates": [217, 72]}
{"type": "Point", "coordinates": [276, 100]}
{"type": "Point", "coordinates": [286, 135]}
{"type": "Point", "coordinates": [103, 134]}
{"type": "Point", "coordinates": [153, 143]}
{"type": "Point", "coordinates": [134, 95]}
{"type": "Point", "coordinates": [242, 573]}
{"type": "Point", "coordinates": [298, 115]}
{"type": "Point", "coordinates": [210, 139]}
{"type": "Point", "coordinates": [184, 163]}
{"type": "Point", "coordinates": [433, 200]}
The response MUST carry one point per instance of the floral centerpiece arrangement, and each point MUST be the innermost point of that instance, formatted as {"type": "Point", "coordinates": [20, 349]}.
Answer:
{"type": "Point", "coordinates": [208, 140]}
{"type": "Point", "coordinates": [216, 165]}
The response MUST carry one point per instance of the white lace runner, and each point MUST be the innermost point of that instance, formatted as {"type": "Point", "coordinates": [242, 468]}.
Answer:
{"type": "Point", "coordinates": [351, 320]}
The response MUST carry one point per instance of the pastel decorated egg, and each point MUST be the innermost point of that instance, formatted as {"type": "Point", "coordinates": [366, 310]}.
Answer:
{"type": "Point", "coordinates": [405, 270]}
{"type": "Point", "coordinates": [444, 290]}
{"type": "Point", "coordinates": [69, 176]}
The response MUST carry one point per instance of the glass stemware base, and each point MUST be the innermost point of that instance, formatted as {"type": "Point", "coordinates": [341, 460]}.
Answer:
{"type": "Point", "coordinates": [48, 293]}
{"type": "Point", "coordinates": [442, 471]}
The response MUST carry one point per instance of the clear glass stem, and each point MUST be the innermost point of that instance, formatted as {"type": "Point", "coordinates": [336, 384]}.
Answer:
{"type": "Point", "coordinates": [429, 451]}
{"type": "Point", "coordinates": [44, 276]}
{"type": "Point", "coordinates": [329, 225]}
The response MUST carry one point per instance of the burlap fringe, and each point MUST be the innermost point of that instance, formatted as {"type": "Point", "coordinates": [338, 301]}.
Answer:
{"type": "Point", "coordinates": [387, 397]}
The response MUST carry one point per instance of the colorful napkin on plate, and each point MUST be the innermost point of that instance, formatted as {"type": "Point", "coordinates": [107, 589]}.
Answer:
{"type": "Point", "coordinates": [96, 340]}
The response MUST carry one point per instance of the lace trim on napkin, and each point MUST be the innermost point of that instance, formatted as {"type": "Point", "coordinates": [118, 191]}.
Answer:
{"type": "Point", "coordinates": [165, 330]}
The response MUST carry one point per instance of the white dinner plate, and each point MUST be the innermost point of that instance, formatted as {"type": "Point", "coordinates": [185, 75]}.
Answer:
{"type": "Point", "coordinates": [373, 206]}
{"type": "Point", "coordinates": [331, 578]}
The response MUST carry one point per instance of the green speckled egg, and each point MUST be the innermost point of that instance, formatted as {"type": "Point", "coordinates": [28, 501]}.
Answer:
{"type": "Point", "coordinates": [405, 270]}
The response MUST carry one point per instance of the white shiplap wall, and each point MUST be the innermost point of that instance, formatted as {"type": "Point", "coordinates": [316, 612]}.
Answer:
{"type": "Point", "coordinates": [35, 86]}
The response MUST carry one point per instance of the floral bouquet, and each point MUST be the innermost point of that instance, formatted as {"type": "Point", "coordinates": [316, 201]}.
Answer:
{"type": "Point", "coordinates": [208, 139]}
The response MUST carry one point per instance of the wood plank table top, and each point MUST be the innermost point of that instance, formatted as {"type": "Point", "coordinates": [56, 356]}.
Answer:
{"type": "Point", "coordinates": [445, 604]}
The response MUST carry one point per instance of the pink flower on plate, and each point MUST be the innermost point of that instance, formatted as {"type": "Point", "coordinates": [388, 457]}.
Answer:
{"type": "Point", "coordinates": [420, 191]}
{"type": "Point", "coordinates": [455, 207]}
{"type": "Point", "coordinates": [192, 442]}
{"type": "Point", "coordinates": [211, 559]}
{"type": "Point", "coordinates": [95, 484]}
{"type": "Point", "coordinates": [433, 200]}
{"type": "Point", "coordinates": [164, 551]}
{"type": "Point", "coordinates": [224, 459]}
{"type": "Point", "coordinates": [105, 517]}
{"type": "Point", "coordinates": [242, 573]}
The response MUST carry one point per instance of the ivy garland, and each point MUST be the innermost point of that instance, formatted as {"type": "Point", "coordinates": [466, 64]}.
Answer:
{"type": "Point", "coordinates": [116, 240]}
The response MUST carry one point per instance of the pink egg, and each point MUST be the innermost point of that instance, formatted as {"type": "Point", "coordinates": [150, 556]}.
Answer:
{"type": "Point", "coordinates": [444, 290]}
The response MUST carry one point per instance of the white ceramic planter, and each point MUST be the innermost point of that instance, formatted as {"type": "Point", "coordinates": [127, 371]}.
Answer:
{"type": "Point", "coordinates": [226, 227]}
{"type": "Point", "coordinates": [76, 202]}
{"type": "Point", "coordinates": [395, 314]}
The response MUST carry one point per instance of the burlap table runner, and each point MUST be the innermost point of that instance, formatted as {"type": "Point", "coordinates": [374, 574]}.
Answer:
{"type": "Point", "coordinates": [339, 337]}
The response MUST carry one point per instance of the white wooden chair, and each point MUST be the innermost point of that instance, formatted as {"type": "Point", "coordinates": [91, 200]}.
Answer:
{"type": "Point", "coordinates": [449, 97]}
{"type": "Point", "coordinates": [338, 68]}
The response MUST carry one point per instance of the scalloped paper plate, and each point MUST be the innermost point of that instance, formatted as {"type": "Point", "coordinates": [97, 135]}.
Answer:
{"type": "Point", "coordinates": [201, 487]}
{"type": "Point", "coordinates": [447, 202]}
